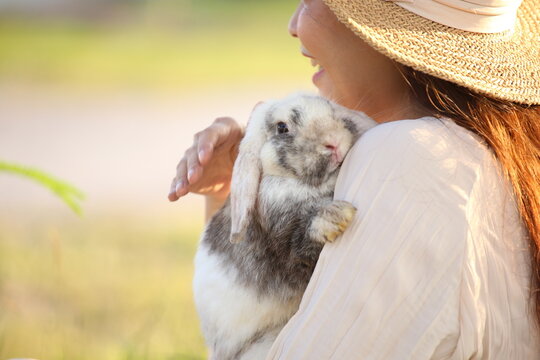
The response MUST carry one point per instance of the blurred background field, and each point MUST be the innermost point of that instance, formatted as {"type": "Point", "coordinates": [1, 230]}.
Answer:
{"type": "Point", "coordinates": [158, 44]}
{"type": "Point", "coordinates": [106, 95]}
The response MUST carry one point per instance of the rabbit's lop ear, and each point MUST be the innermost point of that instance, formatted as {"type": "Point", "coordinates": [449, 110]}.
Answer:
{"type": "Point", "coordinates": [247, 173]}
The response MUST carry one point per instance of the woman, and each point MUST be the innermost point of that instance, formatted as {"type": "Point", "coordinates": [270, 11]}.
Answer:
{"type": "Point", "coordinates": [442, 260]}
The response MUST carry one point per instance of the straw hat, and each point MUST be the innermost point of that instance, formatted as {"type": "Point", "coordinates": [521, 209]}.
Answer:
{"type": "Point", "coordinates": [489, 46]}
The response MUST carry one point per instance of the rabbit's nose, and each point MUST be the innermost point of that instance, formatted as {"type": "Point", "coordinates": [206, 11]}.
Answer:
{"type": "Point", "coordinates": [337, 156]}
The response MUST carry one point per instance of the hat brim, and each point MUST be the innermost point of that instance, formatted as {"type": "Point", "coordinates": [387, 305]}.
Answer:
{"type": "Point", "coordinates": [502, 65]}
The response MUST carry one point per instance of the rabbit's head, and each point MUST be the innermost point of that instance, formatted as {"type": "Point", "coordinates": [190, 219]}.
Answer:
{"type": "Point", "coordinates": [304, 137]}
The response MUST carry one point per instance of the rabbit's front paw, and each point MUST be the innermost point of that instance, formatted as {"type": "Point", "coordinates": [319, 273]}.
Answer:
{"type": "Point", "coordinates": [331, 221]}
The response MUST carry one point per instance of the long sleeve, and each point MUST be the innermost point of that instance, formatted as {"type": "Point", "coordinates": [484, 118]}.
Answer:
{"type": "Point", "coordinates": [404, 282]}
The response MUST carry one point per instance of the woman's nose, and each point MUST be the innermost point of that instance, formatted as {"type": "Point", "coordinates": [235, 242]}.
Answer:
{"type": "Point", "coordinates": [294, 21]}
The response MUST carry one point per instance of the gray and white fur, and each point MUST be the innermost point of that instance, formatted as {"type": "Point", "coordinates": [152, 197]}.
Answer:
{"type": "Point", "coordinates": [278, 217]}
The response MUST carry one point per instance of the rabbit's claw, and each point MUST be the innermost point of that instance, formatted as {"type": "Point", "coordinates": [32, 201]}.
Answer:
{"type": "Point", "coordinates": [331, 221]}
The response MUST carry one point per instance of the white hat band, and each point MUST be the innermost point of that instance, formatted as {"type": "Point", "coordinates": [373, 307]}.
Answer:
{"type": "Point", "coordinates": [484, 16]}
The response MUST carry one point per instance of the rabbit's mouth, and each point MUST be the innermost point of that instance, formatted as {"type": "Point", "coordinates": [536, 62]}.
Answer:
{"type": "Point", "coordinates": [333, 165]}
{"type": "Point", "coordinates": [320, 180]}
{"type": "Point", "coordinates": [319, 172]}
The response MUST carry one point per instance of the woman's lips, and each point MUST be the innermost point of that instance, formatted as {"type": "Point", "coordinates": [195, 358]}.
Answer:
{"type": "Point", "coordinates": [305, 52]}
{"type": "Point", "coordinates": [317, 75]}
{"type": "Point", "coordinates": [314, 63]}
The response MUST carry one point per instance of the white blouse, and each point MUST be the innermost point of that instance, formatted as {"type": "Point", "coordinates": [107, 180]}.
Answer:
{"type": "Point", "coordinates": [435, 264]}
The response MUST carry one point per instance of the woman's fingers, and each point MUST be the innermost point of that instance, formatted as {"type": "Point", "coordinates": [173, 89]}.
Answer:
{"type": "Point", "coordinates": [172, 191]}
{"type": "Point", "coordinates": [205, 142]}
{"type": "Point", "coordinates": [214, 136]}
{"type": "Point", "coordinates": [211, 147]}
{"type": "Point", "coordinates": [194, 168]}
{"type": "Point", "coordinates": [179, 185]}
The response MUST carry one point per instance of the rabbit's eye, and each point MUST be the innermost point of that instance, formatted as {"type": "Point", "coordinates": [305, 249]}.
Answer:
{"type": "Point", "coordinates": [282, 128]}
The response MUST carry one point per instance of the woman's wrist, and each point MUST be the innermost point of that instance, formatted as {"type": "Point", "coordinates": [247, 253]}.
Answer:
{"type": "Point", "coordinates": [212, 204]}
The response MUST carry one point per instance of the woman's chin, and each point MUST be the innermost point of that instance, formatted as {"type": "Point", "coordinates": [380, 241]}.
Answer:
{"type": "Point", "coordinates": [324, 84]}
{"type": "Point", "coordinates": [326, 91]}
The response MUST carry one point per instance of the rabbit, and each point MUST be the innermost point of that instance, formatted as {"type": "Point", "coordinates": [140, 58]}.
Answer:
{"type": "Point", "coordinates": [258, 252]}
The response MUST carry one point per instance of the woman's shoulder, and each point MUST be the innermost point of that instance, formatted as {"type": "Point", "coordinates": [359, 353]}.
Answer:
{"type": "Point", "coordinates": [437, 136]}
{"type": "Point", "coordinates": [421, 155]}
{"type": "Point", "coordinates": [437, 143]}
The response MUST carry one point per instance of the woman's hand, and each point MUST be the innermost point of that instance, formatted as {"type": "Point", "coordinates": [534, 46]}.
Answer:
{"type": "Point", "coordinates": [206, 167]}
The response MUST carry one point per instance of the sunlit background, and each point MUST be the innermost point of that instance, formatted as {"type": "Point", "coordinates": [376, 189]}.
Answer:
{"type": "Point", "coordinates": [105, 95]}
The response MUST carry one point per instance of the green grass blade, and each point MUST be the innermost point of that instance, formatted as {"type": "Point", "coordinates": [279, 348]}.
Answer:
{"type": "Point", "coordinates": [66, 192]}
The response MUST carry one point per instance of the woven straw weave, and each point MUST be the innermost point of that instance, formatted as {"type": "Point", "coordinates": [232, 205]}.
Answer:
{"type": "Point", "coordinates": [504, 65]}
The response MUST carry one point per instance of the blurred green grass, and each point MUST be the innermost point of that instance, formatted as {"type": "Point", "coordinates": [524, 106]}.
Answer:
{"type": "Point", "coordinates": [101, 289]}
{"type": "Point", "coordinates": [210, 44]}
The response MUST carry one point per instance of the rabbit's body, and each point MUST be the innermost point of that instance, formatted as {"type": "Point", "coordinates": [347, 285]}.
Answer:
{"type": "Point", "coordinates": [246, 292]}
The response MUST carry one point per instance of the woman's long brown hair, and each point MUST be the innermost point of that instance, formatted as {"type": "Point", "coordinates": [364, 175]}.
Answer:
{"type": "Point", "coordinates": [511, 130]}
